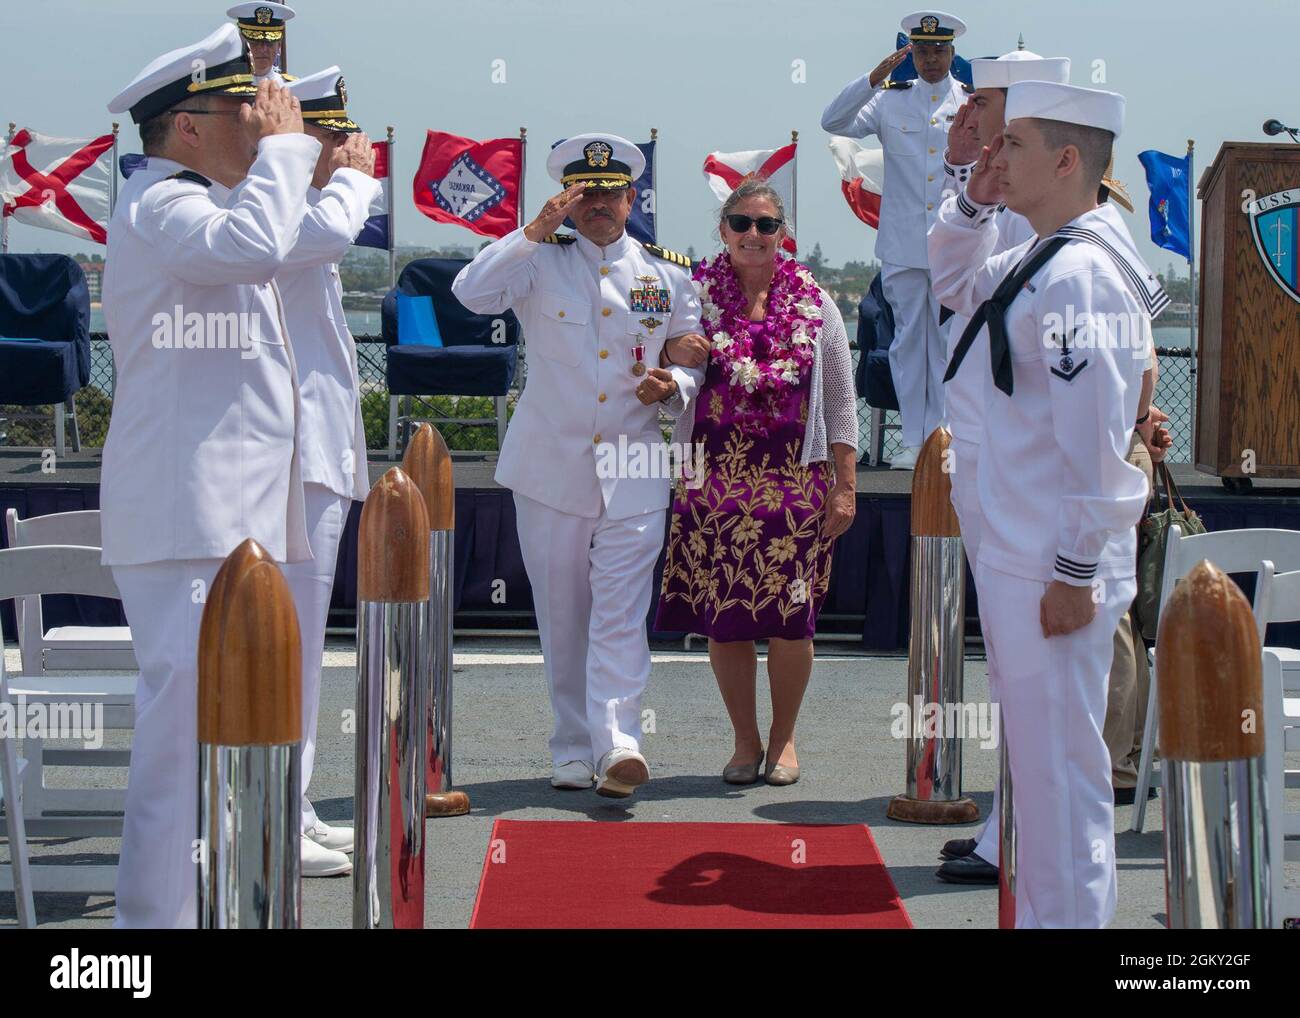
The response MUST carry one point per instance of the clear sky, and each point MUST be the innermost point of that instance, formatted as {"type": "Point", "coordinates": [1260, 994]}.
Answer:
{"type": "Point", "coordinates": [710, 74]}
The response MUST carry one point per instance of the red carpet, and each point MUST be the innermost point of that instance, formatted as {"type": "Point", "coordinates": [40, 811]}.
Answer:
{"type": "Point", "coordinates": [558, 874]}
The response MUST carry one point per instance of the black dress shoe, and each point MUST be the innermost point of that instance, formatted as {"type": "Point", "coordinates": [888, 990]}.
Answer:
{"type": "Point", "coordinates": [968, 869]}
{"type": "Point", "coordinates": [1127, 796]}
{"type": "Point", "coordinates": [958, 848]}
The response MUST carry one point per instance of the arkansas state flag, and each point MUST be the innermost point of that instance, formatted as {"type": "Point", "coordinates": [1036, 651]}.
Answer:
{"type": "Point", "coordinates": [58, 183]}
{"type": "Point", "coordinates": [862, 177]}
{"type": "Point", "coordinates": [725, 170]}
{"type": "Point", "coordinates": [474, 184]}
{"type": "Point", "coordinates": [375, 232]}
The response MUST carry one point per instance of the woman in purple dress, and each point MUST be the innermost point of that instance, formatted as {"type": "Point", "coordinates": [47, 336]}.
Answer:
{"type": "Point", "coordinates": [749, 552]}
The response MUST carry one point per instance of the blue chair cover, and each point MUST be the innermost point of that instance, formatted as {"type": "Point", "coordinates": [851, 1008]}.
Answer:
{"type": "Point", "coordinates": [468, 363]}
{"type": "Point", "coordinates": [45, 305]}
{"type": "Point", "coordinates": [874, 381]}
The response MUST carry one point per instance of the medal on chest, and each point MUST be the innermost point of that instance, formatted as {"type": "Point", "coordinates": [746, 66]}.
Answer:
{"type": "Point", "coordinates": [649, 296]}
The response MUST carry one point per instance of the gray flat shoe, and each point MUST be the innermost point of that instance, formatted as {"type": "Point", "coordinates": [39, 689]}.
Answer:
{"type": "Point", "coordinates": [779, 775]}
{"type": "Point", "coordinates": [743, 774]}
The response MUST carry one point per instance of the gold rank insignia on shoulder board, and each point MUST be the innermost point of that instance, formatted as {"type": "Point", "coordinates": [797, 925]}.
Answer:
{"type": "Point", "coordinates": [668, 256]}
{"type": "Point", "coordinates": [891, 84]}
{"type": "Point", "coordinates": [560, 238]}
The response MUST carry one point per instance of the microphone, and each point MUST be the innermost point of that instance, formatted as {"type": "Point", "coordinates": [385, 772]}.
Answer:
{"type": "Point", "coordinates": [1274, 127]}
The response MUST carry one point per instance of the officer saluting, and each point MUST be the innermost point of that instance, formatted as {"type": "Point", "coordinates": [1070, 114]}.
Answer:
{"type": "Point", "coordinates": [262, 26]}
{"type": "Point", "coordinates": [202, 450]}
{"type": "Point", "coordinates": [597, 309]}
{"type": "Point", "coordinates": [332, 437]}
{"type": "Point", "coordinates": [911, 119]}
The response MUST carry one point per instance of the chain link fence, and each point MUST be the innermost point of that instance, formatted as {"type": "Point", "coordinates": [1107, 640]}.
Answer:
{"type": "Point", "coordinates": [1175, 395]}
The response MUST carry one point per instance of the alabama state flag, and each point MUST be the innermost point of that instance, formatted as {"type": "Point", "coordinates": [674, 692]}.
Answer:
{"type": "Point", "coordinates": [725, 170]}
{"type": "Point", "coordinates": [474, 184]}
{"type": "Point", "coordinates": [58, 183]}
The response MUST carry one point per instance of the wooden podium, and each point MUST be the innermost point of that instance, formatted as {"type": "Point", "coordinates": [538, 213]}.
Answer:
{"type": "Point", "coordinates": [1248, 385]}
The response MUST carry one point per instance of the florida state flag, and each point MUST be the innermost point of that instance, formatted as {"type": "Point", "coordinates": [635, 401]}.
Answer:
{"type": "Point", "coordinates": [474, 184]}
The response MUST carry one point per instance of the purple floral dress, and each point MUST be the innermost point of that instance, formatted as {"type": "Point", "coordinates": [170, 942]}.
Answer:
{"type": "Point", "coordinates": [746, 558]}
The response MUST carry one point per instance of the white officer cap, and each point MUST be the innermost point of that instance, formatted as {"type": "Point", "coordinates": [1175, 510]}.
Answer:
{"type": "Point", "coordinates": [603, 161]}
{"type": "Point", "coordinates": [933, 27]}
{"type": "Point", "coordinates": [218, 63]}
{"type": "Point", "coordinates": [324, 100]}
{"type": "Point", "coordinates": [1018, 65]}
{"type": "Point", "coordinates": [261, 22]}
{"type": "Point", "coordinates": [1051, 100]}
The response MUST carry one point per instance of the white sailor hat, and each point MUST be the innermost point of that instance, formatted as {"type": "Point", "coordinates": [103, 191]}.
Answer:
{"type": "Point", "coordinates": [933, 27]}
{"type": "Point", "coordinates": [603, 161]}
{"type": "Point", "coordinates": [215, 66]}
{"type": "Point", "coordinates": [261, 22]}
{"type": "Point", "coordinates": [1051, 100]}
{"type": "Point", "coordinates": [1018, 65]}
{"type": "Point", "coordinates": [324, 100]}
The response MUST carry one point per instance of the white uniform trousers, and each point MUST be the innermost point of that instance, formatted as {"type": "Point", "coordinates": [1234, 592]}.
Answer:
{"type": "Point", "coordinates": [1053, 694]}
{"type": "Point", "coordinates": [966, 502]}
{"type": "Point", "coordinates": [592, 580]}
{"type": "Point", "coordinates": [918, 355]}
{"type": "Point", "coordinates": [311, 583]}
{"type": "Point", "coordinates": [157, 872]}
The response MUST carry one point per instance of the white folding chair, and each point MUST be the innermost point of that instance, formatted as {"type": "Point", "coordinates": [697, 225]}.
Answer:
{"type": "Point", "coordinates": [1233, 551]}
{"type": "Point", "coordinates": [64, 648]}
{"type": "Point", "coordinates": [110, 699]}
{"type": "Point", "coordinates": [11, 797]}
{"type": "Point", "coordinates": [1277, 599]}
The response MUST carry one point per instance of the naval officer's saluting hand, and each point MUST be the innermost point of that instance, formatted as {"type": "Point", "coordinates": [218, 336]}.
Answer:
{"type": "Point", "coordinates": [355, 152]}
{"type": "Point", "coordinates": [886, 66]}
{"type": "Point", "coordinates": [554, 212]}
{"type": "Point", "coordinates": [275, 111]}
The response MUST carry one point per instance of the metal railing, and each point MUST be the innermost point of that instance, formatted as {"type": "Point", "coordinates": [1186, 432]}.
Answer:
{"type": "Point", "coordinates": [1175, 395]}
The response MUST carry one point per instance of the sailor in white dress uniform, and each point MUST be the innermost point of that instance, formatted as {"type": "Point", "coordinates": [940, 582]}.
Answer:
{"type": "Point", "coordinates": [1064, 316]}
{"type": "Point", "coordinates": [911, 119]}
{"type": "Point", "coordinates": [965, 393]}
{"type": "Point", "coordinates": [332, 436]}
{"type": "Point", "coordinates": [597, 308]}
{"type": "Point", "coordinates": [202, 450]}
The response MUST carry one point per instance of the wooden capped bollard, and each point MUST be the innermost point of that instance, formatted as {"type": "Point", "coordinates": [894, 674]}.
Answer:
{"type": "Point", "coordinates": [1211, 700]}
{"type": "Point", "coordinates": [428, 462]}
{"type": "Point", "coordinates": [250, 727]}
{"type": "Point", "coordinates": [392, 734]}
{"type": "Point", "coordinates": [935, 648]}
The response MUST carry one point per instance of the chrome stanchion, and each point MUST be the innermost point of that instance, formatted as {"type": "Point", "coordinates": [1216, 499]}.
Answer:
{"type": "Point", "coordinates": [250, 726]}
{"type": "Point", "coordinates": [935, 648]}
{"type": "Point", "coordinates": [1006, 842]}
{"type": "Point", "coordinates": [392, 591]}
{"type": "Point", "coordinates": [1211, 696]}
{"type": "Point", "coordinates": [428, 462]}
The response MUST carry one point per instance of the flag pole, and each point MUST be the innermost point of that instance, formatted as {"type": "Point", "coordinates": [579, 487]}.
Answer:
{"type": "Point", "coordinates": [523, 173]}
{"type": "Point", "coordinates": [4, 220]}
{"type": "Point", "coordinates": [1191, 243]}
{"type": "Point", "coordinates": [112, 187]}
{"type": "Point", "coordinates": [392, 215]}
{"type": "Point", "coordinates": [794, 184]}
{"type": "Point", "coordinates": [654, 178]}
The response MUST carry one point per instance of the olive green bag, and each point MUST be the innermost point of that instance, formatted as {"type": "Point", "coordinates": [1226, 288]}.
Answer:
{"type": "Point", "coordinates": [1153, 536]}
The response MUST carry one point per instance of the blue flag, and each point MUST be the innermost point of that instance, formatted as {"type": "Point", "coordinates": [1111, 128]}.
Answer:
{"type": "Point", "coordinates": [1169, 179]}
{"type": "Point", "coordinates": [906, 71]}
{"type": "Point", "coordinates": [641, 223]}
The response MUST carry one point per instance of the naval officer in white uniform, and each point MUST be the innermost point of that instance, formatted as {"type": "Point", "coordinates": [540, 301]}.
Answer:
{"type": "Point", "coordinates": [597, 308]}
{"type": "Point", "coordinates": [975, 860]}
{"type": "Point", "coordinates": [911, 119]}
{"type": "Point", "coordinates": [332, 437]}
{"type": "Point", "coordinates": [262, 26]}
{"type": "Point", "coordinates": [202, 450]}
{"type": "Point", "coordinates": [1067, 350]}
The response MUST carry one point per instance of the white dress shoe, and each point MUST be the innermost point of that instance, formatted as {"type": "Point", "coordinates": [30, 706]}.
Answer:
{"type": "Point", "coordinates": [621, 771]}
{"type": "Point", "coordinates": [572, 774]}
{"type": "Point", "coordinates": [318, 861]}
{"type": "Point", "coordinates": [336, 839]}
{"type": "Point", "coordinates": [905, 460]}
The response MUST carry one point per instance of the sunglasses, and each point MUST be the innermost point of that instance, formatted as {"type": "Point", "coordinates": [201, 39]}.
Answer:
{"type": "Point", "coordinates": [767, 225]}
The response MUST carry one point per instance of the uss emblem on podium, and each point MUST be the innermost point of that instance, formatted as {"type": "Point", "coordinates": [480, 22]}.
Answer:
{"type": "Point", "coordinates": [1273, 225]}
